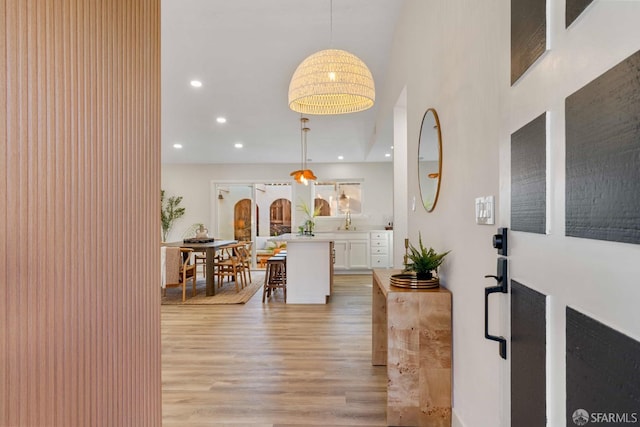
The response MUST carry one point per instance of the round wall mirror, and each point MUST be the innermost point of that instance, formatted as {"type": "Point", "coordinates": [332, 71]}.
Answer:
{"type": "Point", "coordinates": [430, 159]}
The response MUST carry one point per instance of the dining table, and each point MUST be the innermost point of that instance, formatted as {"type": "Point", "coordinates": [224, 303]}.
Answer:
{"type": "Point", "coordinates": [210, 249]}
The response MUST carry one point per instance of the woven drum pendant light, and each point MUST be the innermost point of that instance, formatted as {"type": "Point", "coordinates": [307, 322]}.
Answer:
{"type": "Point", "coordinates": [331, 81]}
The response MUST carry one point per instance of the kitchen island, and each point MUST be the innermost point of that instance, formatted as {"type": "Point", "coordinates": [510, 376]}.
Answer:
{"type": "Point", "coordinates": [309, 268]}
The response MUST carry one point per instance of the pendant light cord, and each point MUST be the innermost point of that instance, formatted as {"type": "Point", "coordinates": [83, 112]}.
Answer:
{"type": "Point", "coordinates": [302, 155]}
{"type": "Point", "coordinates": [303, 138]}
{"type": "Point", "coordinates": [331, 24]}
{"type": "Point", "coordinates": [305, 130]}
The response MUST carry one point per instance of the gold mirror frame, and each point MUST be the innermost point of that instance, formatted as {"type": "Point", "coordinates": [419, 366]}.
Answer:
{"type": "Point", "coordinates": [429, 139]}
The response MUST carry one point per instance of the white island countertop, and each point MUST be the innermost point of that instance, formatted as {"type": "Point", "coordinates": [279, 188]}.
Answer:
{"type": "Point", "coordinates": [299, 238]}
{"type": "Point", "coordinates": [322, 236]}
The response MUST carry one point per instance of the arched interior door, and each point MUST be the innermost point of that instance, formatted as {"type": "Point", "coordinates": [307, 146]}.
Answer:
{"type": "Point", "coordinates": [280, 217]}
{"type": "Point", "coordinates": [242, 219]}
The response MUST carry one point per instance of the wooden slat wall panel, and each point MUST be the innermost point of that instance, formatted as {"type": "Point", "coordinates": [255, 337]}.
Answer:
{"type": "Point", "coordinates": [79, 230]}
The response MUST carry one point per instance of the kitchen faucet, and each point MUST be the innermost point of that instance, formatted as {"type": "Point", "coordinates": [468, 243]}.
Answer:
{"type": "Point", "coordinates": [347, 220]}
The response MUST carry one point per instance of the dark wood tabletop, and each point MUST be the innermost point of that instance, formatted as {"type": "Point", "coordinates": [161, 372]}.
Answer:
{"type": "Point", "coordinates": [210, 248]}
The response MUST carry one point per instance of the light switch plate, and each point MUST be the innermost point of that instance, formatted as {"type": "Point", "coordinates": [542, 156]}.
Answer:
{"type": "Point", "coordinates": [485, 208]}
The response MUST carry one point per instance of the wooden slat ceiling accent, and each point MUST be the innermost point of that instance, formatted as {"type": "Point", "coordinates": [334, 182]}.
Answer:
{"type": "Point", "coordinates": [79, 192]}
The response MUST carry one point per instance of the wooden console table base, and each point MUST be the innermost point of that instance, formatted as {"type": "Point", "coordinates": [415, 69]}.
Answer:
{"type": "Point", "coordinates": [412, 336]}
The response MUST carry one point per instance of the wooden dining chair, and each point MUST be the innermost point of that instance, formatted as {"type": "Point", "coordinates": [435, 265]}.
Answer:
{"type": "Point", "coordinates": [244, 251]}
{"type": "Point", "coordinates": [230, 265]}
{"type": "Point", "coordinates": [178, 270]}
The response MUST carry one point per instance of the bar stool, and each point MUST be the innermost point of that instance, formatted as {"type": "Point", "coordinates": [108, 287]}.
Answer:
{"type": "Point", "coordinates": [275, 276]}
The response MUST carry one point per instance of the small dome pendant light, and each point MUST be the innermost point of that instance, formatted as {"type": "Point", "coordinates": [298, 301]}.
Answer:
{"type": "Point", "coordinates": [303, 175]}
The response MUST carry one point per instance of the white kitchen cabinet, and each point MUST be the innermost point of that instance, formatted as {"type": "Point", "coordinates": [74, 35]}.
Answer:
{"type": "Point", "coordinates": [340, 248]}
{"type": "Point", "coordinates": [351, 250]}
{"type": "Point", "coordinates": [381, 242]}
{"type": "Point", "coordinates": [359, 254]}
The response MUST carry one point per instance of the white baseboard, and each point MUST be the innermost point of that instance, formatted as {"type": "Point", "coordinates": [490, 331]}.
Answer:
{"type": "Point", "coordinates": [346, 272]}
{"type": "Point", "coordinates": [455, 421]}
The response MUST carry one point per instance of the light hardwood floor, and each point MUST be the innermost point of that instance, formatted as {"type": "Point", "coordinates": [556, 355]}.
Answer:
{"type": "Point", "coordinates": [273, 364]}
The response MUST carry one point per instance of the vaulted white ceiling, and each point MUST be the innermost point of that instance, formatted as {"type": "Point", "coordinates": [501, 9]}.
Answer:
{"type": "Point", "coordinates": [244, 52]}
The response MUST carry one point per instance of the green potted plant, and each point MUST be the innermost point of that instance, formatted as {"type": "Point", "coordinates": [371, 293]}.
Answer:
{"type": "Point", "coordinates": [170, 211]}
{"type": "Point", "coordinates": [309, 223]}
{"type": "Point", "coordinates": [424, 262]}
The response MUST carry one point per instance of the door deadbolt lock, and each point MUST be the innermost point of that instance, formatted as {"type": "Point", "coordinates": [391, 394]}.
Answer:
{"type": "Point", "coordinates": [500, 241]}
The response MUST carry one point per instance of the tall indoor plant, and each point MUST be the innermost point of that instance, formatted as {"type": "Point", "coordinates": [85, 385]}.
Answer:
{"type": "Point", "coordinates": [170, 211]}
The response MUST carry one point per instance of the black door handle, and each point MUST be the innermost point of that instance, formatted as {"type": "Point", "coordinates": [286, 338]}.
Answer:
{"type": "Point", "coordinates": [501, 278]}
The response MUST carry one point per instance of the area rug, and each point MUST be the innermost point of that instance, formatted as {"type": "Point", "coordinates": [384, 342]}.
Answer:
{"type": "Point", "coordinates": [225, 295]}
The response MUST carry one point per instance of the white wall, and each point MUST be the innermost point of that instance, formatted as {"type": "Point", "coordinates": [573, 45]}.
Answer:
{"type": "Point", "coordinates": [450, 57]}
{"type": "Point", "coordinates": [455, 56]}
{"type": "Point", "coordinates": [193, 183]}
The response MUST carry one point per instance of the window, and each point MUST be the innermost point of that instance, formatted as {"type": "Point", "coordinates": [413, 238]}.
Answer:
{"type": "Point", "coordinates": [336, 198]}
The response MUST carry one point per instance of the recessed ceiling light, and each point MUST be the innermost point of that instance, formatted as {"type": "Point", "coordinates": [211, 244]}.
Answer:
{"type": "Point", "coordinates": [221, 120]}
{"type": "Point", "coordinates": [196, 83]}
{"type": "Point", "coordinates": [238, 145]}
{"type": "Point", "coordinates": [177, 146]}
{"type": "Point", "coordinates": [387, 155]}
{"type": "Point", "coordinates": [392, 147]}
{"type": "Point", "coordinates": [340, 157]}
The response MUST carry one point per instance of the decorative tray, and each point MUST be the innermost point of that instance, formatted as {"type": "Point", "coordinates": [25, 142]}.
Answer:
{"type": "Point", "coordinates": [408, 280]}
{"type": "Point", "coordinates": [199, 240]}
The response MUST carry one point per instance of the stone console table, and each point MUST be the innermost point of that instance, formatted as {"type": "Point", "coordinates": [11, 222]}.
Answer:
{"type": "Point", "coordinates": [412, 336]}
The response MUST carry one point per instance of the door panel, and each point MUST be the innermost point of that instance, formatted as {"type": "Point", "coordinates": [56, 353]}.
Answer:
{"type": "Point", "coordinates": [528, 346]}
{"type": "Point", "coordinates": [603, 369]}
